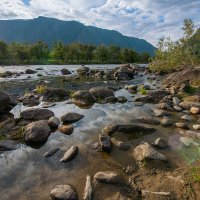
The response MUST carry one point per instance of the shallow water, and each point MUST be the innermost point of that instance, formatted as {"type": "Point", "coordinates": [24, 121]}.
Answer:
{"type": "Point", "coordinates": [26, 174]}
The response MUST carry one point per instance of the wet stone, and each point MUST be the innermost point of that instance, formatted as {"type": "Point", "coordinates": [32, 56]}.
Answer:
{"type": "Point", "coordinates": [63, 192]}
{"type": "Point", "coordinates": [105, 142]}
{"type": "Point", "coordinates": [69, 118]}
{"type": "Point", "coordinates": [70, 154]}
{"type": "Point", "coordinates": [109, 177]}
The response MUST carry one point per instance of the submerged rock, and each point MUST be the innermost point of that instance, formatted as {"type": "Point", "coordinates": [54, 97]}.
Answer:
{"type": "Point", "coordinates": [120, 145]}
{"type": "Point", "coordinates": [109, 177]}
{"type": "Point", "coordinates": [147, 152]}
{"type": "Point", "coordinates": [51, 152]}
{"type": "Point", "coordinates": [127, 129]}
{"type": "Point", "coordinates": [70, 154]}
{"type": "Point", "coordinates": [149, 120]}
{"type": "Point", "coordinates": [63, 192]}
{"type": "Point", "coordinates": [37, 132]}
{"type": "Point", "coordinates": [65, 71]}
{"type": "Point", "coordinates": [36, 114]}
{"type": "Point", "coordinates": [69, 118]}
{"type": "Point", "coordinates": [105, 142]}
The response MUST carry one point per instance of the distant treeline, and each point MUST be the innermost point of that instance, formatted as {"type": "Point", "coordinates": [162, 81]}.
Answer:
{"type": "Point", "coordinates": [59, 53]}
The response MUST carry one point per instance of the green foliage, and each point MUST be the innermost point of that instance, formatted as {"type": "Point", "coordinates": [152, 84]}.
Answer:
{"type": "Point", "coordinates": [142, 91]}
{"type": "Point", "coordinates": [40, 89]}
{"type": "Point", "coordinates": [171, 56]}
{"type": "Point", "coordinates": [76, 53]}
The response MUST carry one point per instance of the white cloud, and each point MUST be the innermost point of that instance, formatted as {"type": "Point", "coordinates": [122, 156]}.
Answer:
{"type": "Point", "coordinates": [148, 19]}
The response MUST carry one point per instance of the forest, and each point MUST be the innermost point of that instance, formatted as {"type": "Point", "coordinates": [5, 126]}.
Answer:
{"type": "Point", "coordinates": [75, 53]}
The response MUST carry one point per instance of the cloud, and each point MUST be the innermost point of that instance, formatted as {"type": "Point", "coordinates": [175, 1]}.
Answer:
{"type": "Point", "coordinates": [145, 19]}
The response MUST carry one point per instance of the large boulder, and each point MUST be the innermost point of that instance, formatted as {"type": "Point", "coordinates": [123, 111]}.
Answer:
{"type": "Point", "coordinates": [101, 93]}
{"type": "Point", "coordinates": [37, 132]}
{"type": "Point", "coordinates": [146, 152]}
{"type": "Point", "coordinates": [63, 192]}
{"type": "Point", "coordinates": [55, 94]}
{"type": "Point", "coordinates": [127, 129]}
{"type": "Point", "coordinates": [83, 98]}
{"type": "Point", "coordinates": [36, 114]}
{"type": "Point", "coordinates": [4, 101]}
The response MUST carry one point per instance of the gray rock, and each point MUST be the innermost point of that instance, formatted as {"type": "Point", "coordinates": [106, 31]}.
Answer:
{"type": "Point", "coordinates": [63, 192]}
{"type": "Point", "coordinates": [177, 108]}
{"type": "Point", "coordinates": [65, 71]}
{"type": "Point", "coordinates": [54, 122]}
{"type": "Point", "coordinates": [69, 118]}
{"type": "Point", "coordinates": [111, 99]}
{"type": "Point", "coordinates": [187, 117]}
{"type": "Point", "coordinates": [36, 114]}
{"type": "Point", "coordinates": [30, 71]}
{"type": "Point", "coordinates": [101, 93]}
{"type": "Point", "coordinates": [4, 101]}
{"type": "Point", "coordinates": [160, 143]}
{"type": "Point", "coordinates": [8, 145]}
{"type": "Point", "coordinates": [146, 152]}
{"type": "Point", "coordinates": [149, 120]}
{"type": "Point", "coordinates": [83, 71]}
{"type": "Point", "coordinates": [109, 177]}
{"type": "Point", "coordinates": [105, 142]}
{"type": "Point", "coordinates": [122, 99]}
{"type": "Point", "coordinates": [176, 101]}
{"type": "Point", "coordinates": [127, 129]}
{"type": "Point", "coordinates": [37, 132]}
{"type": "Point", "coordinates": [51, 152]}
{"type": "Point", "coordinates": [83, 98]}
{"type": "Point", "coordinates": [160, 113]}
{"type": "Point", "coordinates": [70, 154]}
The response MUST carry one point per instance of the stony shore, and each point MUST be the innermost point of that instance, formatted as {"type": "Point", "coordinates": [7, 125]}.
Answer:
{"type": "Point", "coordinates": [158, 172]}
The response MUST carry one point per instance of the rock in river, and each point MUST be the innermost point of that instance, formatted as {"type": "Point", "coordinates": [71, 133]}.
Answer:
{"type": "Point", "coordinates": [63, 192]}
{"type": "Point", "coordinates": [36, 114]}
{"type": "Point", "coordinates": [101, 93]}
{"type": "Point", "coordinates": [83, 98]}
{"type": "Point", "coordinates": [146, 151]}
{"type": "Point", "coordinates": [54, 122]}
{"type": "Point", "coordinates": [4, 101]}
{"type": "Point", "coordinates": [8, 145]}
{"type": "Point", "coordinates": [105, 142]}
{"type": "Point", "coordinates": [109, 177]}
{"type": "Point", "coordinates": [127, 129]}
{"type": "Point", "coordinates": [37, 132]}
{"type": "Point", "coordinates": [160, 113]}
{"type": "Point", "coordinates": [66, 129]}
{"type": "Point", "coordinates": [69, 118]}
{"type": "Point", "coordinates": [149, 120]}
{"type": "Point", "coordinates": [161, 143]}
{"type": "Point", "coordinates": [70, 154]}
{"type": "Point", "coordinates": [51, 152]}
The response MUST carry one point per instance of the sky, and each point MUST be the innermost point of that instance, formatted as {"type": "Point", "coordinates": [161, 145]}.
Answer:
{"type": "Point", "coordinates": [146, 19]}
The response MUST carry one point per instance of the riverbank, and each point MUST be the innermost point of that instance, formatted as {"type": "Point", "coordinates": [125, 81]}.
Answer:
{"type": "Point", "coordinates": [121, 126]}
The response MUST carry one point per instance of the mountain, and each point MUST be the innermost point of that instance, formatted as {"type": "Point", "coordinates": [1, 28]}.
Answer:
{"type": "Point", "coordinates": [51, 30]}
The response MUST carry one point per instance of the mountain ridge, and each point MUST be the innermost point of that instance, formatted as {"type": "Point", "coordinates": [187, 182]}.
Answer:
{"type": "Point", "coordinates": [52, 29]}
